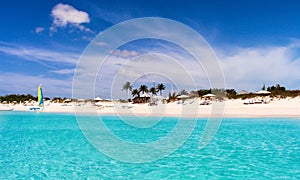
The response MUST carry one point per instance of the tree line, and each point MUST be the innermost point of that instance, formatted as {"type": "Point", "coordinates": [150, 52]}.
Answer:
{"type": "Point", "coordinates": [19, 98]}
{"type": "Point", "coordinates": [276, 91]}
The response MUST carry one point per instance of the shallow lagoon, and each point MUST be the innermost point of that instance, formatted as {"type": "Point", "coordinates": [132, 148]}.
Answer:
{"type": "Point", "coordinates": [48, 145]}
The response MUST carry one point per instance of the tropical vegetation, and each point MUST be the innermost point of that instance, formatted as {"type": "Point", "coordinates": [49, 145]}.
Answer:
{"type": "Point", "coordinates": [19, 98]}
{"type": "Point", "coordinates": [275, 91]}
{"type": "Point", "coordinates": [160, 87]}
{"type": "Point", "coordinates": [153, 91]}
{"type": "Point", "coordinates": [143, 89]}
{"type": "Point", "coordinates": [127, 87]}
{"type": "Point", "coordinates": [135, 92]}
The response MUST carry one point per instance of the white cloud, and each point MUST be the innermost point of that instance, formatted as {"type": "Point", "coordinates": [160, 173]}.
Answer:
{"type": "Point", "coordinates": [101, 44]}
{"type": "Point", "coordinates": [39, 55]}
{"type": "Point", "coordinates": [64, 14]}
{"type": "Point", "coordinates": [64, 71]}
{"type": "Point", "coordinates": [39, 30]}
{"type": "Point", "coordinates": [124, 53]}
{"type": "Point", "coordinates": [249, 68]}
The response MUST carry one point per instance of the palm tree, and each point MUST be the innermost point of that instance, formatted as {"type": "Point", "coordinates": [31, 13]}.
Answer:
{"type": "Point", "coordinates": [160, 87]}
{"type": "Point", "coordinates": [143, 88]}
{"type": "Point", "coordinates": [183, 92]}
{"type": "Point", "coordinates": [127, 87]}
{"type": "Point", "coordinates": [135, 92]}
{"type": "Point", "coordinates": [263, 87]}
{"type": "Point", "coordinates": [153, 90]}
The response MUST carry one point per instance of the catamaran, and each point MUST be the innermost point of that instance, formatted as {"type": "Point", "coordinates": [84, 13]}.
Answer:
{"type": "Point", "coordinates": [40, 103]}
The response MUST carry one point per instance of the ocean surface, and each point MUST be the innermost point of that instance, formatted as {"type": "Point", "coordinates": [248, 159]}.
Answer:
{"type": "Point", "coordinates": [52, 146]}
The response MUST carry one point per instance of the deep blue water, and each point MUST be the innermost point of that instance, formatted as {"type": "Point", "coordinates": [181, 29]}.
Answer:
{"type": "Point", "coordinates": [41, 145]}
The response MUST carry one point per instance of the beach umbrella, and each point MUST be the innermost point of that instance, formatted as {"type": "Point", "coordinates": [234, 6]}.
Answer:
{"type": "Point", "coordinates": [263, 92]}
{"type": "Point", "coordinates": [183, 96]}
{"type": "Point", "coordinates": [98, 99]}
{"type": "Point", "coordinates": [209, 95]}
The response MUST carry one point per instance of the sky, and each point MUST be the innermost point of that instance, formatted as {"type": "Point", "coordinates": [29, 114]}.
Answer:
{"type": "Point", "coordinates": [255, 42]}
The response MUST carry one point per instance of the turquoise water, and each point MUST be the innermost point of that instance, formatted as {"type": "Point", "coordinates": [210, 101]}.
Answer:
{"type": "Point", "coordinates": [39, 145]}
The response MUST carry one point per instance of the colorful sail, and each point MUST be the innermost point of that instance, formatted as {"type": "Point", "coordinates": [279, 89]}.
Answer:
{"type": "Point", "coordinates": [40, 96]}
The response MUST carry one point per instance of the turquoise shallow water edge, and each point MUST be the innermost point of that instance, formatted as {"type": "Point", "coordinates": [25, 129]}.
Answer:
{"type": "Point", "coordinates": [48, 145]}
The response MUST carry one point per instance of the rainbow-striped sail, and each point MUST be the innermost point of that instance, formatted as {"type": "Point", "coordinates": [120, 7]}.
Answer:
{"type": "Point", "coordinates": [40, 96]}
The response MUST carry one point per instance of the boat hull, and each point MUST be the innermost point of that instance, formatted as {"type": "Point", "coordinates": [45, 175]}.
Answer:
{"type": "Point", "coordinates": [36, 108]}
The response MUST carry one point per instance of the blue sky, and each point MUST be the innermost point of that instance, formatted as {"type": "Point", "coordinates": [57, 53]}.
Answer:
{"type": "Point", "coordinates": [40, 42]}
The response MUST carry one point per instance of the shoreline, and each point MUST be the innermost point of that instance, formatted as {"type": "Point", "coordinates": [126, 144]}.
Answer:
{"type": "Point", "coordinates": [166, 115]}
{"type": "Point", "coordinates": [283, 108]}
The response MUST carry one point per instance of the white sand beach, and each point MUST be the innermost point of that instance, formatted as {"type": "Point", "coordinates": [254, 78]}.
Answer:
{"type": "Point", "coordinates": [288, 107]}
